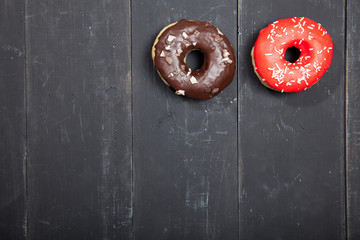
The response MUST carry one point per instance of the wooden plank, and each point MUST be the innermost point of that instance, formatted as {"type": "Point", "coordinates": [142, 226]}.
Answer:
{"type": "Point", "coordinates": [185, 151]}
{"type": "Point", "coordinates": [12, 120]}
{"type": "Point", "coordinates": [353, 119]}
{"type": "Point", "coordinates": [79, 119]}
{"type": "Point", "coordinates": [291, 145]}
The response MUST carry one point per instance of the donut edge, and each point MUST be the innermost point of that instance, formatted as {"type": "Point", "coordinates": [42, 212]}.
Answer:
{"type": "Point", "coordinates": [263, 82]}
{"type": "Point", "coordinates": [153, 49]}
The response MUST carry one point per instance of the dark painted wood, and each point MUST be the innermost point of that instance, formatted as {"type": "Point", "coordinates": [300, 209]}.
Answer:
{"type": "Point", "coordinates": [12, 121]}
{"type": "Point", "coordinates": [79, 119]}
{"type": "Point", "coordinates": [248, 164]}
{"type": "Point", "coordinates": [185, 151]}
{"type": "Point", "coordinates": [291, 145]}
{"type": "Point", "coordinates": [353, 119]}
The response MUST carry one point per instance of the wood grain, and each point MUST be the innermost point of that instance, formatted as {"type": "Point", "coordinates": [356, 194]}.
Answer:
{"type": "Point", "coordinates": [79, 119]}
{"type": "Point", "coordinates": [353, 119]}
{"type": "Point", "coordinates": [12, 121]}
{"type": "Point", "coordinates": [291, 145]}
{"type": "Point", "coordinates": [185, 151]}
{"type": "Point", "coordinates": [95, 146]}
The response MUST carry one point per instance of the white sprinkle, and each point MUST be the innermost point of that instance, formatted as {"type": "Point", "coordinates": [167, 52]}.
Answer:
{"type": "Point", "coordinates": [284, 30]}
{"type": "Point", "coordinates": [288, 84]}
{"type": "Point", "coordinates": [293, 20]}
{"type": "Point", "coordinates": [307, 57]}
{"type": "Point", "coordinates": [272, 39]}
{"type": "Point", "coordinates": [305, 74]}
{"type": "Point", "coordinates": [307, 65]}
{"type": "Point", "coordinates": [169, 60]}
{"type": "Point", "coordinates": [219, 31]}
{"type": "Point", "coordinates": [193, 80]}
{"type": "Point", "coordinates": [279, 51]}
{"type": "Point", "coordinates": [317, 66]}
{"type": "Point", "coordinates": [310, 27]}
{"type": "Point", "coordinates": [178, 52]}
{"type": "Point", "coordinates": [329, 47]}
{"type": "Point", "coordinates": [301, 19]}
{"type": "Point", "coordinates": [184, 35]}
{"type": "Point", "coordinates": [225, 53]}
{"type": "Point", "coordinates": [188, 73]}
{"type": "Point", "coordinates": [304, 23]}
{"type": "Point", "coordinates": [170, 38]}
{"type": "Point", "coordinates": [167, 47]}
{"type": "Point", "coordinates": [282, 90]}
{"type": "Point", "coordinates": [300, 42]}
{"type": "Point", "coordinates": [162, 54]}
{"type": "Point", "coordinates": [268, 54]}
{"type": "Point", "coordinates": [311, 49]}
{"type": "Point", "coordinates": [283, 43]}
{"type": "Point", "coordinates": [180, 92]}
{"type": "Point", "coordinates": [276, 21]}
{"type": "Point", "coordinates": [194, 43]}
{"type": "Point", "coordinates": [299, 26]}
{"type": "Point", "coordinates": [226, 60]}
{"type": "Point", "coordinates": [276, 84]}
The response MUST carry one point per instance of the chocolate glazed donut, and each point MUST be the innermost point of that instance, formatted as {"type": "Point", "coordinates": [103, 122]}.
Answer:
{"type": "Point", "coordinates": [173, 44]}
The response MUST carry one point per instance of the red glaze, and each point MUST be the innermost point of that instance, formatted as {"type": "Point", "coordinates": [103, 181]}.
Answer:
{"type": "Point", "coordinates": [309, 37]}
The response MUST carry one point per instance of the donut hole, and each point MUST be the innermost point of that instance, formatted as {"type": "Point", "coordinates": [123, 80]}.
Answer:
{"type": "Point", "coordinates": [194, 59]}
{"type": "Point", "coordinates": [292, 54]}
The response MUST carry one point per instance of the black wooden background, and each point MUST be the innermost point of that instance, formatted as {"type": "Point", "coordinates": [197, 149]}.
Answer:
{"type": "Point", "coordinates": [94, 146]}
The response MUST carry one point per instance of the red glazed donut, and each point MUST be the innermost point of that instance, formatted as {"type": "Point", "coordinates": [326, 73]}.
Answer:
{"type": "Point", "coordinates": [268, 54]}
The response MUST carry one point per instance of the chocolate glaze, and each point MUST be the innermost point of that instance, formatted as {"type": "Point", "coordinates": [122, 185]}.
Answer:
{"type": "Point", "coordinates": [177, 41]}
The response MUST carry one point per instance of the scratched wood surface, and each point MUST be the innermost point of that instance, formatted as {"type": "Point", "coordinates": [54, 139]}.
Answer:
{"type": "Point", "coordinates": [292, 145]}
{"type": "Point", "coordinates": [95, 146]}
{"type": "Point", "coordinates": [185, 151]}
{"type": "Point", "coordinates": [12, 120]}
{"type": "Point", "coordinates": [79, 120]}
{"type": "Point", "coordinates": [353, 119]}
